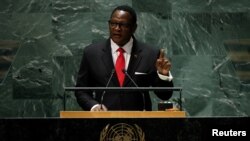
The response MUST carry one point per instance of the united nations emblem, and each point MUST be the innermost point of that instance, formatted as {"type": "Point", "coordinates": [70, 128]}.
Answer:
{"type": "Point", "coordinates": [122, 132]}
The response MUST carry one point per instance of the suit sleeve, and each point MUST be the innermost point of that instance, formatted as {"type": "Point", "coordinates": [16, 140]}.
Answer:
{"type": "Point", "coordinates": [84, 98]}
{"type": "Point", "coordinates": [157, 82]}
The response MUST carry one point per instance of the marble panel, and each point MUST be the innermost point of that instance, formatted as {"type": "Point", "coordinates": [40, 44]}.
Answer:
{"type": "Point", "coordinates": [207, 42]}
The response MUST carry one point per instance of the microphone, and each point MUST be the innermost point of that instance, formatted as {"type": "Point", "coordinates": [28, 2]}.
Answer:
{"type": "Point", "coordinates": [103, 93]}
{"type": "Point", "coordinates": [130, 78]}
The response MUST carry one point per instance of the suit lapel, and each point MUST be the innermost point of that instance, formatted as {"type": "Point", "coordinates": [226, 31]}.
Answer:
{"type": "Point", "coordinates": [108, 62]}
{"type": "Point", "coordinates": [135, 59]}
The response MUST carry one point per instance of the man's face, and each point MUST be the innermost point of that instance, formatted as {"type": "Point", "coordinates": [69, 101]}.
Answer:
{"type": "Point", "coordinates": [121, 27]}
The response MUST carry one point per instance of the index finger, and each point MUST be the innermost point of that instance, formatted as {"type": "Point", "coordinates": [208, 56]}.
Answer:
{"type": "Point", "coordinates": [162, 53]}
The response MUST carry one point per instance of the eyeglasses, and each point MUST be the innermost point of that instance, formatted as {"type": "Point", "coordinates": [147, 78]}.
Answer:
{"type": "Point", "coordinates": [122, 25]}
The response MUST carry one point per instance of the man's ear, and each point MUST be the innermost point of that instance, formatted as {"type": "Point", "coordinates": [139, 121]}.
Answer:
{"type": "Point", "coordinates": [134, 28]}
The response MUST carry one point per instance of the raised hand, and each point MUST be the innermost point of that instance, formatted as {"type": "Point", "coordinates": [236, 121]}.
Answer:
{"type": "Point", "coordinates": [163, 65]}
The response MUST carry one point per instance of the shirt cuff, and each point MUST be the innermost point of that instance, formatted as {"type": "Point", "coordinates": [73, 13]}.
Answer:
{"type": "Point", "coordinates": [164, 77]}
{"type": "Point", "coordinates": [94, 107]}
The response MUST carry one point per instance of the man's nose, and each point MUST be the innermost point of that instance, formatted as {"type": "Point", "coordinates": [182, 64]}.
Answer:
{"type": "Point", "coordinates": [118, 27]}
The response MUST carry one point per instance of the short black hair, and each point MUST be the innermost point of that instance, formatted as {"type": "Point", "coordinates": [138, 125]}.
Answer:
{"type": "Point", "coordinates": [128, 9]}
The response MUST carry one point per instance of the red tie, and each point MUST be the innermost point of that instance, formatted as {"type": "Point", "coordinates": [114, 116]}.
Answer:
{"type": "Point", "coordinates": [120, 66]}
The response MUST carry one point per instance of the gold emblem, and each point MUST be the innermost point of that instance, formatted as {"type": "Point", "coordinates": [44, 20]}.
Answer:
{"type": "Point", "coordinates": [122, 132]}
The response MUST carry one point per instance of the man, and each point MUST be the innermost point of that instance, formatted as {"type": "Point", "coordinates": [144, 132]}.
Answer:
{"type": "Point", "coordinates": [110, 63]}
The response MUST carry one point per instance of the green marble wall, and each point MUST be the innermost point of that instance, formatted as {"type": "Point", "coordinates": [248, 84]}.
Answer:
{"type": "Point", "coordinates": [41, 44]}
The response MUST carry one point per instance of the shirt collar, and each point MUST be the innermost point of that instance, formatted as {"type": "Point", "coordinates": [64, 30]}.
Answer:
{"type": "Point", "coordinates": [127, 47]}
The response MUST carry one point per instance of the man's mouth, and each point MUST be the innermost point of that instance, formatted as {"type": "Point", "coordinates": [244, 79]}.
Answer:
{"type": "Point", "coordinates": [116, 35]}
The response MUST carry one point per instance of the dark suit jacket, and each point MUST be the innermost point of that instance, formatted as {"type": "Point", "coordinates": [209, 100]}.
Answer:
{"type": "Point", "coordinates": [96, 68]}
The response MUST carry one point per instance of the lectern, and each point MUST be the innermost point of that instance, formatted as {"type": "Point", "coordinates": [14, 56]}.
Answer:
{"type": "Point", "coordinates": [124, 114]}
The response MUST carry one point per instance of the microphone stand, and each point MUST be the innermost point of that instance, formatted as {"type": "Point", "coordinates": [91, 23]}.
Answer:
{"type": "Point", "coordinates": [104, 92]}
{"type": "Point", "coordinates": [130, 78]}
